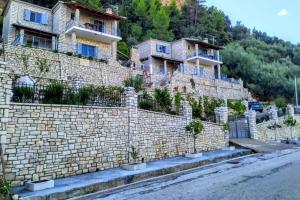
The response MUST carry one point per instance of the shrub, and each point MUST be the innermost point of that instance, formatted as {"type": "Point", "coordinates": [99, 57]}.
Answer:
{"type": "Point", "coordinates": [281, 102]}
{"type": "Point", "coordinates": [238, 107]}
{"type": "Point", "coordinates": [70, 53]}
{"type": "Point", "coordinates": [163, 98]}
{"type": "Point", "coordinates": [134, 153]}
{"type": "Point", "coordinates": [54, 93]}
{"type": "Point", "coordinates": [22, 93]}
{"type": "Point", "coordinates": [178, 99]}
{"type": "Point", "coordinates": [5, 188]}
{"type": "Point", "coordinates": [136, 83]}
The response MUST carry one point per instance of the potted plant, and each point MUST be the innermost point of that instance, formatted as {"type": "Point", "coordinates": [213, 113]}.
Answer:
{"type": "Point", "coordinates": [275, 128]}
{"type": "Point", "coordinates": [195, 127]}
{"type": "Point", "coordinates": [290, 122]}
{"type": "Point", "coordinates": [136, 165]}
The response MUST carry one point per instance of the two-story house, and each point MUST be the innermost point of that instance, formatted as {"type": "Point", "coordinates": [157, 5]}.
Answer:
{"type": "Point", "coordinates": [67, 27]}
{"type": "Point", "coordinates": [187, 55]}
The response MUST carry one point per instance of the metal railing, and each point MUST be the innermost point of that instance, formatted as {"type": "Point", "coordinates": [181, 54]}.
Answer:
{"type": "Point", "coordinates": [230, 80]}
{"type": "Point", "coordinates": [61, 93]}
{"type": "Point", "coordinates": [93, 27]}
{"type": "Point", "coordinates": [205, 55]}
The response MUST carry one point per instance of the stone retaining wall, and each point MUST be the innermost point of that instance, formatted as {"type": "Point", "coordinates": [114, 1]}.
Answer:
{"type": "Point", "coordinates": [52, 141]}
{"type": "Point", "coordinates": [265, 134]}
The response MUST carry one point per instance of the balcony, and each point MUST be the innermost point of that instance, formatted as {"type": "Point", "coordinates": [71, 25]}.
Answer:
{"type": "Point", "coordinates": [205, 58]}
{"type": "Point", "coordinates": [92, 31]}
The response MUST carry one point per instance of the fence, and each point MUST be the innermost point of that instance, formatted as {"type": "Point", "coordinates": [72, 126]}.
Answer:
{"type": "Point", "coordinates": [60, 93]}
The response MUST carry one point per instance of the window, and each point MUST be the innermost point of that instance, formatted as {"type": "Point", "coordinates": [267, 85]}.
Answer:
{"type": "Point", "coordinates": [35, 17]}
{"type": "Point", "coordinates": [88, 50]}
{"type": "Point", "coordinates": [100, 26]}
{"type": "Point", "coordinates": [72, 16]}
{"type": "Point", "coordinates": [163, 49]}
{"type": "Point", "coordinates": [37, 41]}
{"type": "Point", "coordinates": [200, 71]}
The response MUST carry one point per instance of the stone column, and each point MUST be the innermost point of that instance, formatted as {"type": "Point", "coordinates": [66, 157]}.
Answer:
{"type": "Point", "coordinates": [54, 43]}
{"type": "Point", "coordinates": [290, 110]}
{"type": "Point", "coordinates": [74, 42]}
{"type": "Point", "coordinates": [5, 94]}
{"type": "Point", "coordinates": [221, 115]}
{"type": "Point", "coordinates": [77, 15]}
{"type": "Point", "coordinates": [165, 67]}
{"type": "Point", "coordinates": [22, 33]}
{"type": "Point", "coordinates": [251, 117]}
{"type": "Point", "coordinates": [197, 66]}
{"type": "Point", "coordinates": [187, 111]}
{"type": "Point", "coordinates": [219, 71]}
{"type": "Point", "coordinates": [131, 102]}
{"type": "Point", "coordinates": [197, 49]}
{"type": "Point", "coordinates": [273, 114]}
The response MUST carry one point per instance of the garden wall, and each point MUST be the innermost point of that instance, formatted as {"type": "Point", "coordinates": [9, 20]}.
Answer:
{"type": "Point", "coordinates": [265, 134]}
{"type": "Point", "coordinates": [52, 141]}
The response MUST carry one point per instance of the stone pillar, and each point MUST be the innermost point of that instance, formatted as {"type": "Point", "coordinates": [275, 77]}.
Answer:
{"type": "Point", "coordinates": [77, 15]}
{"type": "Point", "coordinates": [74, 42]}
{"type": "Point", "coordinates": [197, 49]}
{"type": "Point", "coordinates": [54, 46]}
{"type": "Point", "coordinates": [221, 115]}
{"type": "Point", "coordinates": [5, 94]}
{"type": "Point", "coordinates": [251, 117]}
{"type": "Point", "coordinates": [290, 110]}
{"type": "Point", "coordinates": [165, 67]}
{"type": "Point", "coordinates": [219, 71]}
{"type": "Point", "coordinates": [197, 66]}
{"type": "Point", "coordinates": [187, 111]}
{"type": "Point", "coordinates": [22, 33]}
{"type": "Point", "coordinates": [131, 102]}
{"type": "Point", "coordinates": [273, 114]}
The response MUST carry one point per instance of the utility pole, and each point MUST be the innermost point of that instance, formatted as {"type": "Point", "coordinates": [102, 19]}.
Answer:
{"type": "Point", "coordinates": [296, 92]}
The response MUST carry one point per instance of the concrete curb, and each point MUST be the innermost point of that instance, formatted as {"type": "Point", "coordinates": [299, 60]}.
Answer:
{"type": "Point", "coordinates": [101, 186]}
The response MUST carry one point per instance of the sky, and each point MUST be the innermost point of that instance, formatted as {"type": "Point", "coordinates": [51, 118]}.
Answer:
{"type": "Point", "coordinates": [279, 18]}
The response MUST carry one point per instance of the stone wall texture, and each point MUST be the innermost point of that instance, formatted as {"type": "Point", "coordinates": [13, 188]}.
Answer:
{"type": "Point", "coordinates": [52, 141]}
{"type": "Point", "coordinates": [265, 134]}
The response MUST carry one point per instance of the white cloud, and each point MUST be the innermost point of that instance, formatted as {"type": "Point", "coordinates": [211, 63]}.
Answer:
{"type": "Point", "coordinates": [282, 13]}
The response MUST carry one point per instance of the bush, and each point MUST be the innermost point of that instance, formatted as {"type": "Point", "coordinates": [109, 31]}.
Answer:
{"type": "Point", "coordinates": [5, 188]}
{"type": "Point", "coordinates": [281, 102]}
{"type": "Point", "coordinates": [22, 93]}
{"type": "Point", "coordinates": [70, 53]}
{"type": "Point", "coordinates": [54, 93]}
{"type": "Point", "coordinates": [164, 99]}
{"type": "Point", "coordinates": [136, 83]}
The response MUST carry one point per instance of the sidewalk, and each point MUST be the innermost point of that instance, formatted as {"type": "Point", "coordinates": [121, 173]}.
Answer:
{"type": "Point", "coordinates": [97, 181]}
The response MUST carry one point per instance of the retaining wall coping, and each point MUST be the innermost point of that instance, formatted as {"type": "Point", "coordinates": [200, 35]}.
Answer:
{"type": "Point", "coordinates": [159, 113]}
{"type": "Point", "coordinates": [65, 106]}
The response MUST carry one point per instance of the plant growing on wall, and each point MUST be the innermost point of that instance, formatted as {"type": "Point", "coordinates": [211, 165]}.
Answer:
{"type": "Point", "coordinates": [197, 107]}
{"type": "Point", "coordinates": [275, 126]}
{"type": "Point", "coordinates": [290, 122]}
{"type": "Point", "coordinates": [193, 84]}
{"type": "Point", "coordinates": [226, 127]}
{"type": "Point", "coordinates": [24, 58]}
{"type": "Point", "coordinates": [43, 67]}
{"type": "Point", "coordinates": [164, 98]}
{"type": "Point", "coordinates": [195, 127]}
{"type": "Point", "coordinates": [5, 186]}
{"type": "Point", "coordinates": [238, 108]}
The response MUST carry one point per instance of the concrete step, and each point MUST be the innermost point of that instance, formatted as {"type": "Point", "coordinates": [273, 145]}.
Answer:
{"type": "Point", "coordinates": [260, 147]}
{"type": "Point", "coordinates": [69, 187]}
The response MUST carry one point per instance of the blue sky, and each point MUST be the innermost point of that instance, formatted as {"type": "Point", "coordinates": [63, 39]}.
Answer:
{"type": "Point", "coordinates": [279, 18]}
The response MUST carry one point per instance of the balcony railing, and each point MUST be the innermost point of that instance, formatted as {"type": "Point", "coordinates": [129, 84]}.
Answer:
{"type": "Point", "coordinates": [205, 55]}
{"type": "Point", "coordinates": [93, 27]}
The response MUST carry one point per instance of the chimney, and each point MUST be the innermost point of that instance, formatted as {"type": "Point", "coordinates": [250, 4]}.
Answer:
{"type": "Point", "coordinates": [109, 11]}
{"type": "Point", "coordinates": [205, 40]}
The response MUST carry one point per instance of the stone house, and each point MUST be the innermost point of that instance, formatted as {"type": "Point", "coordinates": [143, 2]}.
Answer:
{"type": "Point", "coordinates": [187, 55]}
{"type": "Point", "coordinates": [67, 27]}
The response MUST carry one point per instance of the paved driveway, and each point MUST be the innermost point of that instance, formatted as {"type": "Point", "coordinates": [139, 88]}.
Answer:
{"type": "Point", "coordinates": [271, 176]}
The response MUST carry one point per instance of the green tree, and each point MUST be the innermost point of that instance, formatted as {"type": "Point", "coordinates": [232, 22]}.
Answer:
{"type": "Point", "coordinates": [195, 128]}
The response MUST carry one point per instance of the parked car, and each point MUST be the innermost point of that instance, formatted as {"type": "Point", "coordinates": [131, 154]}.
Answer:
{"type": "Point", "coordinates": [257, 106]}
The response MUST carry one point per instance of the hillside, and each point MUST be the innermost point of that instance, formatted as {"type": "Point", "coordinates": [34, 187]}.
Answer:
{"type": "Point", "coordinates": [178, 2]}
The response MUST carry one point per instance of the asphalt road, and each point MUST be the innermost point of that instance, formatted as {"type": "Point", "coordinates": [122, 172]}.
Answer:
{"type": "Point", "coordinates": [271, 176]}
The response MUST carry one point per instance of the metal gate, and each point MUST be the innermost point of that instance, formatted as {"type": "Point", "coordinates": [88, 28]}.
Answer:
{"type": "Point", "coordinates": [239, 128]}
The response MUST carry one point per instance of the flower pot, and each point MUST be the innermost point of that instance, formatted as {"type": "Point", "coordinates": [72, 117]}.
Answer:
{"type": "Point", "coordinates": [193, 155]}
{"type": "Point", "coordinates": [39, 185]}
{"type": "Point", "coordinates": [134, 166]}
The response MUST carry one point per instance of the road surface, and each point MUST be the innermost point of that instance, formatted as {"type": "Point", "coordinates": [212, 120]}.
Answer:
{"type": "Point", "coordinates": [268, 177]}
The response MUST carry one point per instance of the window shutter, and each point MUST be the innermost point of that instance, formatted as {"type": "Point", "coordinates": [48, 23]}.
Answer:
{"type": "Point", "coordinates": [79, 48]}
{"type": "Point", "coordinates": [44, 19]}
{"type": "Point", "coordinates": [157, 48]}
{"type": "Point", "coordinates": [26, 14]}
